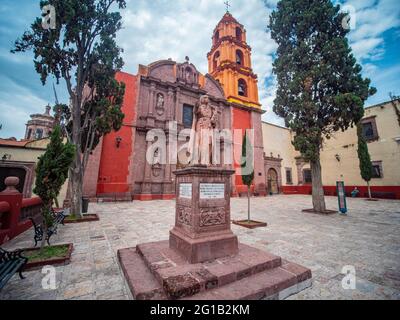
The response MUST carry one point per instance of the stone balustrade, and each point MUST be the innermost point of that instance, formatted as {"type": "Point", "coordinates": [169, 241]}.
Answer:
{"type": "Point", "coordinates": [15, 210]}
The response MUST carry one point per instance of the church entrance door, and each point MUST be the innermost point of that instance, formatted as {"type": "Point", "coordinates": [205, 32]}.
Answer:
{"type": "Point", "coordinates": [273, 181]}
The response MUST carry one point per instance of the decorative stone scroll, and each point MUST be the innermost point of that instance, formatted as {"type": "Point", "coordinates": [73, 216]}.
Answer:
{"type": "Point", "coordinates": [185, 215]}
{"type": "Point", "coordinates": [212, 217]}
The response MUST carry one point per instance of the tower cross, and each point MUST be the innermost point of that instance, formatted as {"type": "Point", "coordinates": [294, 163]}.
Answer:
{"type": "Point", "coordinates": [226, 3]}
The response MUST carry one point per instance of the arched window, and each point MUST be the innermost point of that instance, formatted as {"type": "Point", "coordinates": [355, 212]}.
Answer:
{"type": "Point", "coordinates": [39, 134]}
{"type": "Point", "coordinates": [216, 60]}
{"type": "Point", "coordinates": [29, 134]}
{"type": "Point", "coordinates": [239, 58]}
{"type": "Point", "coordinates": [239, 33]}
{"type": "Point", "coordinates": [242, 88]}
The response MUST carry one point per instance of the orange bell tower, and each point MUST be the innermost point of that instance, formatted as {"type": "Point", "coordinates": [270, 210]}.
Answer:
{"type": "Point", "coordinates": [229, 62]}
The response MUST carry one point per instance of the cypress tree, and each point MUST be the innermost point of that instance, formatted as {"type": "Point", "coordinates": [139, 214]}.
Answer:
{"type": "Point", "coordinates": [51, 174]}
{"type": "Point", "coordinates": [247, 168]}
{"type": "Point", "coordinates": [320, 86]}
{"type": "Point", "coordinates": [366, 169]}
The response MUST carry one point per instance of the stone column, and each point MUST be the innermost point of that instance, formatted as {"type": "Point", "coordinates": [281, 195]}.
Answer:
{"type": "Point", "coordinates": [150, 116]}
{"type": "Point", "coordinates": [167, 185]}
{"type": "Point", "coordinates": [178, 109]}
{"type": "Point", "coordinates": [169, 104]}
{"type": "Point", "coordinates": [146, 187]}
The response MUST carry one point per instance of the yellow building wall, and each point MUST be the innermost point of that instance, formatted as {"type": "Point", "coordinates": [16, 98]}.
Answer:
{"type": "Point", "coordinates": [344, 145]}
{"type": "Point", "coordinates": [277, 140]}
{"type": "Point", "coordinates": [32, 155]}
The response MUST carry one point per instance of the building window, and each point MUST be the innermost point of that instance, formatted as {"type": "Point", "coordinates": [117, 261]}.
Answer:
{"type": "Point", "coordinates": [216, 60]}
{"type": "Point", "coordinates": [187, 116]}
{"type": "Point", "coordinates": [307, 177]}
{"type": "Point", "coordinates": [39, 134]}
{"type": "Point", "coordinates": [239, 57]}
{"type": "Point", "coordinates": [242, 88]}
{"type": "Point", "coordinates": [377, 172]}
{"type": "Point", "coordinates": [369, 129]}
{"type": "Point", "coordinates": [239, 34]}
{"type": "Point", "coordinates": [29, 134]}
{"type": "Point", "coordinates": [289, 179]}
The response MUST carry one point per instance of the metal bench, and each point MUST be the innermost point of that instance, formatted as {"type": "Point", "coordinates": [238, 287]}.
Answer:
{"type": "Point", "coordinates": [10, 263]}
{"type": "Point", "coordinates": [38, 226]}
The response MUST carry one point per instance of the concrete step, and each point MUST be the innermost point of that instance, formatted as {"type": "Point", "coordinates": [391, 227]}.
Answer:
{"type": "Point", "coordinates": [275, 284]}
{"type": "Point", "coordinates": [155, 272]}
{"type": "Point", "coordinates": [141, 281]}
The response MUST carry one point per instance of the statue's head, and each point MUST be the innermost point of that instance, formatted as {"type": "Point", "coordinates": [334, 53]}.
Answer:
{"type": "Point", "coordinates": [204, 99]}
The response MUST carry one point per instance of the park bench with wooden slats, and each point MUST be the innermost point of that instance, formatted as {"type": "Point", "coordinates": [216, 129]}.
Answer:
{"type": "Point", "coordinates": [10, 263]}
{"type": "Point", "coordinates": [38, 226]}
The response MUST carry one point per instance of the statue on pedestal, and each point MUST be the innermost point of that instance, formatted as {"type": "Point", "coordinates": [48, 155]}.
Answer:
{"type": "Point", "coordinates": [201, 145]}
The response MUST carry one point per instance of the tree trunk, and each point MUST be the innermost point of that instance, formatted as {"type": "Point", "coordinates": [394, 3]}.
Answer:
{"type": "Point", "coordinates": [317, 188]}
{"type": "Point", "coordinates": [369, 190]}
{"type": "Point", "coordinates": [76, 169]}
{"type": "Point", "coordinates": [43, 243]}
{"type": "Point", "coordinates": [248, 203]}
{"type": "Point", "coordinates": [76, 192]}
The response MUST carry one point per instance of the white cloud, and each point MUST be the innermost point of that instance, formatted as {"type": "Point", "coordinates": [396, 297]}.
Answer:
{"type": "Point", "coordinates": [162, 29]}
{"type": "Point", "coordinates": [16, 105]}
{"type": "Point", "coordinates": [373, 18]}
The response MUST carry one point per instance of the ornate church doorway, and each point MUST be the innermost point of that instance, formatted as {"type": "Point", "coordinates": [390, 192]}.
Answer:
{"type": "Point", "coordinates": [272, 181]}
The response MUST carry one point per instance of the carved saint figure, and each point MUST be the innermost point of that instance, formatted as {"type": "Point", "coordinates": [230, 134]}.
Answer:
{"type": "Point", "coordinates": [160, 104]}
{"type": "Point", "coordinates": [202, 136]}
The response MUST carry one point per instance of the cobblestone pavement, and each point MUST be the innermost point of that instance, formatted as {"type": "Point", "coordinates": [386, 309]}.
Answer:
{"type": "Point", "coordinates": [368, 239]}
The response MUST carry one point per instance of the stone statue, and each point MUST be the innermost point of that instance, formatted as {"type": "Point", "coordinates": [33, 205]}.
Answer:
{"type": "Point", "coordinates": [201, 143]}
{"type": "Point", "coordinates": [160, 104]}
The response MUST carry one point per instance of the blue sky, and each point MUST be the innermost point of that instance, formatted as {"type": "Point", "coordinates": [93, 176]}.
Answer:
{"type": "Point", "coordinates": [160, 29]}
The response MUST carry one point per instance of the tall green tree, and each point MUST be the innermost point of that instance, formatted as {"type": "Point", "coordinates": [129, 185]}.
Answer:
{"type": "Point", "coordinates": [51, 174]}
{"type": "Point", "coordinates": [247, 166]}
{"type": "Point", "coordinates": [320, 86]}
{"type": "Point", "coordinates": [81, 50]}
{"type": "Point", "coordinates": [366, 169]}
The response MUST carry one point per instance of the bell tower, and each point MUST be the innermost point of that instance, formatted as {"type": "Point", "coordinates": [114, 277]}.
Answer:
{"type": "Point", "coordinates": [229, 62]}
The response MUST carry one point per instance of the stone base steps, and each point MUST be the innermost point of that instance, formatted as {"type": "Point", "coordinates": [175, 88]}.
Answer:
{"type": "Point", "coordinates": [155, 272]}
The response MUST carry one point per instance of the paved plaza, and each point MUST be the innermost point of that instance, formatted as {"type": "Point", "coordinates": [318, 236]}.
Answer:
{"type": "Point", "coordinates": [368, 239]}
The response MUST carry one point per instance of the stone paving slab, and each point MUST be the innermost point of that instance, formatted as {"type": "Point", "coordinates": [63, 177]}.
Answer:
{"type": "Point", "coordinates": [368, 239]}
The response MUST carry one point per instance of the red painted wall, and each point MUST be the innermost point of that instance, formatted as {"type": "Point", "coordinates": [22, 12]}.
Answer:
{"type": "Point", "coordinates": [241, 120]}
{"type": "Point", "coordinates": [380, 192]}
{"type": "Point", "coordinates": [114, 164]}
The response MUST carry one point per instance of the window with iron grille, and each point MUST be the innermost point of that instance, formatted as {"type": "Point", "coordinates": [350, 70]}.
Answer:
{"type": "Point", "coordinates": [289, 179]}
{"type": "Point", "coordinates": [307, 176]}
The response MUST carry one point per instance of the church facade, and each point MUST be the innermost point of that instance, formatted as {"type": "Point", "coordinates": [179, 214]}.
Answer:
{"type": "Point", "coordinates": [167, 91]}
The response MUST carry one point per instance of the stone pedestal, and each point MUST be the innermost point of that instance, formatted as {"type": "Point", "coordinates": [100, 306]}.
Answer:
{"type": "Point", "coordinates": [202, 259]}
{"type": "Point", "coordinates": [202, 229]}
